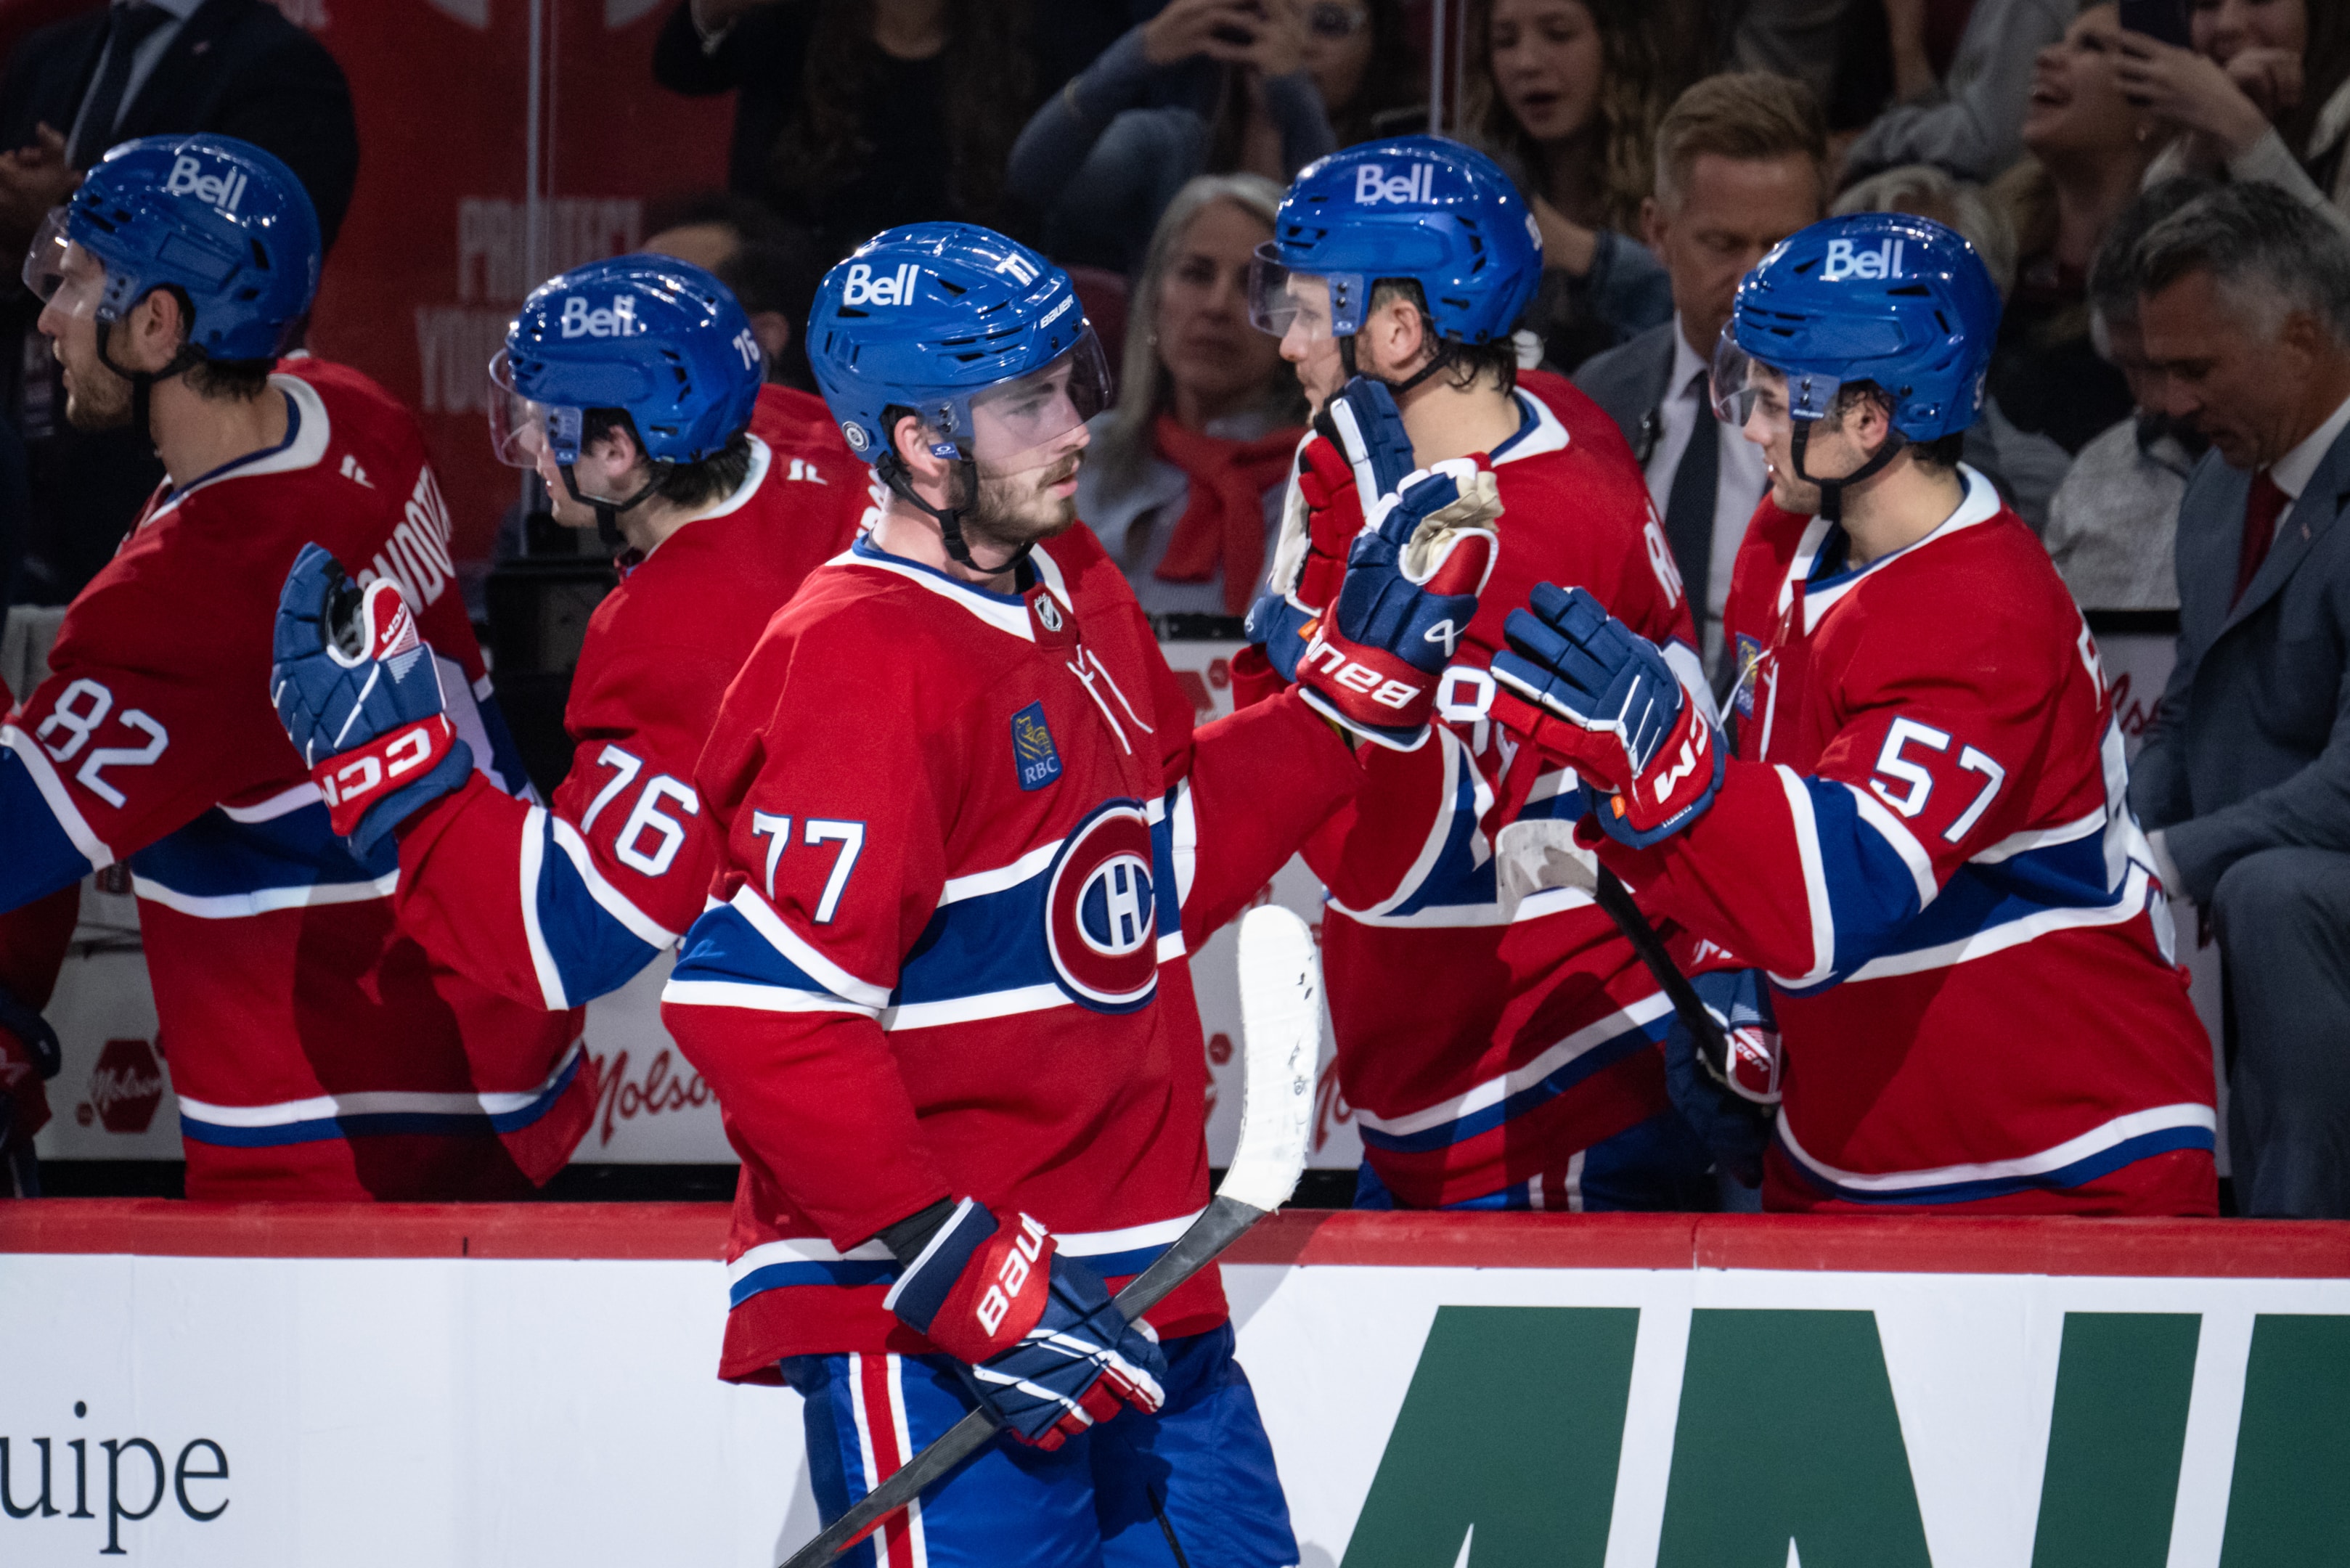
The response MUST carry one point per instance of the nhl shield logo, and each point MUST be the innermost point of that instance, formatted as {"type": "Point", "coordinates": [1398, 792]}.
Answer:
{"type": "Point", "coordinates": [1101, 912]}
{"type": "Point", "coordinates": [1034, 756]}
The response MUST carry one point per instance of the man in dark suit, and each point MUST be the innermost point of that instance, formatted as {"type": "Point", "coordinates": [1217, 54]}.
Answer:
{"type": "Point", "coordinates": [2245, 780]}
{"type": "Point", "coordinates": [71, 90]}
{"type": "Point", "coordinates": [1741, 165]}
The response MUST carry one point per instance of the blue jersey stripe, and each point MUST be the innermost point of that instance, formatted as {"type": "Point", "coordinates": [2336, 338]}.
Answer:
{"type": "Point", "coordinates": [851, 1271]}
{"type": "Point", "coordinates": [40, 857]}
{"type": "Point", "coordinates": [382, 1124]}
{"type": "Point", "coordinates": [1569, 1073]}
{"type": "Point", "coordinates": [2104, 1162]}
{"type": "Point", "coordinates": [215, 856]}
{"type": "Point", "coordinates": [593, 952]}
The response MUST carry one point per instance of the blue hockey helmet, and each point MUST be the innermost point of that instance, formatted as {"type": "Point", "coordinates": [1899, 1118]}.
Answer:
{"type": "Point", "coordinates": [1883, 297]}
{"type": "Point", "coordinates": [958, 325]}
{"type": "Point", "coordinates": [1418, 207]}
{"type": "Point", "coordinates": [651, 335]}
{"type": "Point", "coordinates": [222, 223]}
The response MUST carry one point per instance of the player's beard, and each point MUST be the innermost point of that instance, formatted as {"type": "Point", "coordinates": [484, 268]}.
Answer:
{"type": "Point", "coordinates": [1013, 510]}
{"type": "Point", "coordinates": [97, 398]}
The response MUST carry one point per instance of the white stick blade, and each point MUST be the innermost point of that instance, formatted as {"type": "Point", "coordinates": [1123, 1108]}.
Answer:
{"type": "Point", "coordinates": [1281, 1017]}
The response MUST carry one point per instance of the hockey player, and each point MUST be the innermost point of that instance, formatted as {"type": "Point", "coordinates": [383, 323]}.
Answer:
{"type": "Point", "coordinates": [941, 988]}
{"type": "Point", "coordinates": [639, 429]}
{"type": "Point", "coordinates": [1497, 1053]}
{"type": "Point", "coordinates": [1922, 848]}
{"type": "Point", "coordinates": [317, 1052]}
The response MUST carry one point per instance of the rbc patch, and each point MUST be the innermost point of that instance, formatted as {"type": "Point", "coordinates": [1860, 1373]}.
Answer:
{"type": "Point", "coordinates": [1033, 755]}
{"type": "Point", "coordinates": [1749, 654]}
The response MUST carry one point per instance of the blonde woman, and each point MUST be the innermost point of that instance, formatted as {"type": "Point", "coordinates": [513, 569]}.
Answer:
{"type": "Point", "coordinates": [1184, 480]}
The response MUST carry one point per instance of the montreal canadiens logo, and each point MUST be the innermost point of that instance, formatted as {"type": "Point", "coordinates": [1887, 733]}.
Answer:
{"type": "Point", "coordinates": [1101, 912]}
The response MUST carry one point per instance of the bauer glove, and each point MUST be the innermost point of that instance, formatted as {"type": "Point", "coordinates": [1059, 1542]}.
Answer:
{"type": "Point", "coordinates": [1358, 452]}
{"type": "Point", "coordinates": [1046, 1352]}
{"type": "Point", "coordinates": [1590, 690]}
{"type": "Point", "coordinates": [360, 695]}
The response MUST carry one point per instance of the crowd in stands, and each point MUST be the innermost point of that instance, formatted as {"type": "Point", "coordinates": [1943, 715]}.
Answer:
{"type": "Point", "coordinates": [2163, 390]}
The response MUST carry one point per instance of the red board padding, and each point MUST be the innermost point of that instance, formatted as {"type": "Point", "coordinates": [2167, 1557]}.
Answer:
{"type": "Point", "coordinates": [1847, 1244]}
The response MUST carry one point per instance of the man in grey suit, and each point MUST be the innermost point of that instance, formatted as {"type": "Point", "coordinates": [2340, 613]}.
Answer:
{"type": "Point", "coordinates": [2245, 780]}
{"type": "Point", "coordinates": [1741, 164]}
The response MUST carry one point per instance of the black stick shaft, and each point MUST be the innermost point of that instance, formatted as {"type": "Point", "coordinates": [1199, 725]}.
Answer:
{"type": "Point", "coordinates": [1612, 896]}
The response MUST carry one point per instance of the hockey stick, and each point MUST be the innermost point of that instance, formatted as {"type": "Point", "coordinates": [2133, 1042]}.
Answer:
{"type": "Point", "coordinates": [1281, 1015]}
{"type": "Point", "coordinates": [1613, 897]}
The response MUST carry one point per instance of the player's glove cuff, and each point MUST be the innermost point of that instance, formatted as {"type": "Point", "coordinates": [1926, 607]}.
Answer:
{"type": "Point", "coordinates": [1282, 628]}
{"type": "Point", "coordinates": [978, 1287]}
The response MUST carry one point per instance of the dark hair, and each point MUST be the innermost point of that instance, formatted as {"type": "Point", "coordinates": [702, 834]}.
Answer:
{"type": "Point", "coordinates": [2246, 232]}
{"type": "Point", "coordinates": [2113, 277]}
{"type": "Point", "coordinates": [988, 96]}
{"type": "Point", "coordinates": [230, 380]}
{"type": "Point", "coordinates": [775, 266]}
{"type": "Point", "coordinates": [1941, 452]}
{"type": "Point", "coordinates": [1634, 91]}
{"type": "Point", "coordinates": [687, 484]}
{"type": "Point", "coordinates": [2324, 67]}
{"type": "Point", "coordinates": [1392, 86]}
{"type": "Point", "coordinates": [1467, 360]}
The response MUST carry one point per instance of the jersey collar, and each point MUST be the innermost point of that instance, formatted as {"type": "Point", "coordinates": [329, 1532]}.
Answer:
{"type": "Point", "coordinates": [1539, 432]}
{"type": "Point", "coordinates": [762, 459]}
{"type": "Point", "coordinates": [1981, 504]}
{"type": "Point", "coordinates": [305, 443]}
{"type": "Point", "coordinates": [1008, 613]}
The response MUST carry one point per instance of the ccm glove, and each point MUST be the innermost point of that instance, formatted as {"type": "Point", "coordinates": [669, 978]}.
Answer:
{"type": "Point", "coordinates": [359, 695]}
{"type": "Point", "coordinates": [1358, 452]}
{"type": "Point", "coordinates": [1047, 1352]}
{"type": "Point", "coordinates": [1593, 693]}
{"type": "Point", "coordinates": [1728, 1103]}
{"type": "Point", "coordinates": [1412, 582]}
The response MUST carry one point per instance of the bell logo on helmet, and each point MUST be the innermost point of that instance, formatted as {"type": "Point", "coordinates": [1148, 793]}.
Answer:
{"type": "Point", "coordinates": [579, 321]}
{"type": "Point", "coordinates": [1372, 184]}
{"type": "Point", "coordinates": [864, 288]}
{"type": "Point", "coordinates": [1885, 261]}
{"type": "Point", "coordinates": [1018, 269]}
{"type": "Point", "coordinates": [220, 191]}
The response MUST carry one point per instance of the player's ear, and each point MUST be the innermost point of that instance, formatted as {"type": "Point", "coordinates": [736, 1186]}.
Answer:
{"type": "Point", "coordinates": [911, 439]}
{"type": "Point", "coordinates": [156, 327]}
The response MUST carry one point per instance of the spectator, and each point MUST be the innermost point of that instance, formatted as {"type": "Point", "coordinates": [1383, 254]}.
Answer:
{"type": "Point", "coordinates": [2264, 94]}
{"type": "Point", "coordinates": [2088, 152]}
{"type": "Point", "coordinates": [1970, 121]}
{"type": "Point", "coordinates": [1742, 163]}
{"type": "Point", "coordinates": [1101, 164]}
{"type": "Point", "coordinates": [2244, 297]}
{"type": "Point", "coordinates": [1186, 475]}
{"type": "Point", "coordinates": [1372, 84]}
{"type": "Point", "coordinates": [69, 92]}
{"type": "Point", "coordinates": [1565, 95]}
{"type": "Point", "coordinates": [2113, 525]}
{"type": "Point", "coordinates": [851, 119]}
{"type": "Point", "coordinates": [772, 268]}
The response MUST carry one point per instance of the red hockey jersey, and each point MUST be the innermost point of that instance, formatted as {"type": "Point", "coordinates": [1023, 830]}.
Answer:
{"type": "Point", "coordinates": [1489, 1052]}
{"type": "Point", "coordinates": [317, 1052]}
{"type": "Point", "coordinates": [969, 838]}
{"type": "Point", "coordinates": [1925, 842]}
{"type": "Point", "coordinates": [551, 906]}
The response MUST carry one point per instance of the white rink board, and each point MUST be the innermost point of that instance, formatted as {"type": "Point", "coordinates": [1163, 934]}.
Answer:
{"type": "Point", "coordinates": [515, 1414]}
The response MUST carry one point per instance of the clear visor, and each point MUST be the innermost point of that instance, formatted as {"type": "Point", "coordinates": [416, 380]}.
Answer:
{"type": "Point", "coordinates": [60, 274]}
{"type": "Point", "coordinates": [520, 430]}
{"type": "Point", "coordinates": [1020, 424]}
{"type": "Point", "coordinates": [1315, 304]}
{"type": "Point", "coordinates": [1741, 383]}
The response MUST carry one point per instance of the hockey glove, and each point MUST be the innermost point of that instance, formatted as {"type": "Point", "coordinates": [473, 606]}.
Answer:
{"type": "Point", "coordinates": [1589, 689]}
{"type": "Point", "coordinates": [359, 695]}
{"type": "Point", "coordinates": [1359, 451]}
{"type": "Point", "coordinates": [1412, 582]}
{"type": "Point", "coordinates": [1047, 1352]}
{"type": "Point", "coordinates": [1729, 1105]}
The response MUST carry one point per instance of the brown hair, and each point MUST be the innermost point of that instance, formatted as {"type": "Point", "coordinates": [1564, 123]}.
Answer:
{"type": "Point", "coordinates": [823, 146]}
{"type": "Point", "coordinates": [1745, 115]}
{"type": "Point", "coordinates": [1633, 93]}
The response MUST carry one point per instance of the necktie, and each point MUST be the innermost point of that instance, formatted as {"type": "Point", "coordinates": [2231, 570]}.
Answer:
{"type": "Point", "coordinates": [127, 26]}
{"type": "Point", "coordinates": [1689, 506]}
{"type": "Point", "coordinates": [2263, 507]}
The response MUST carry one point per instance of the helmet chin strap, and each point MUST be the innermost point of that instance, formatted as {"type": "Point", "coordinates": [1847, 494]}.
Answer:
{"type": "Point", "coordinates": [608, 513]}
{"type": "Point", "coordinates": [143, 382]}
{"type": "Point", "coordinates": [1832, 490]}
{"type": "Point", "coordinates": [893, 472]}
{"type": "Point", "coordinates": [1442, 358]}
